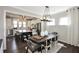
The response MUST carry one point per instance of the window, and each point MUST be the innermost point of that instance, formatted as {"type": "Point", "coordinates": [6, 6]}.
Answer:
{"type": "Point", "coordinates": [52, 22]}
{"type": "Point", "coordinates": [20, 24]}
{"type": "Point", "coordinates": [14, 23]}
{"type": "Point", "coordinates": [24, 24]}
{"type": "Point", "coordinates": [64, 21]}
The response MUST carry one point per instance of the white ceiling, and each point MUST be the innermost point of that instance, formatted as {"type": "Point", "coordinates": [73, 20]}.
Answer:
{"type": "Point", "coordinates": [40, 9]}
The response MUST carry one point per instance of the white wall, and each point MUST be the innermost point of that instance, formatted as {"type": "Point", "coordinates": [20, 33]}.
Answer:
{"type": "Point", "coordinates": [68, 34]}
{"type": "Point", "coordinates": [62, 30]}
{"type": "Point", "coordinates": [1, 23]}
{"type": "Point", "coordinates": [9, 25]}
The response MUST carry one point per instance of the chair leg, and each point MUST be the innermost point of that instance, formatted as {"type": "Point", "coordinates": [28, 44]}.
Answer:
{"type": "Point", "coordinates": [26, 49]}
{"type": "Point", "coordinates": [41, 49]}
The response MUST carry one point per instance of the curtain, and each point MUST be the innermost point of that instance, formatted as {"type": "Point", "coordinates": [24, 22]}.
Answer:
{"type": "Point", "coordinates": [73, 28]}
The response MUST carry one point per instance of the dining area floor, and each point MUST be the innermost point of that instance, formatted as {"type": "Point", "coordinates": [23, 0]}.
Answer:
{"type": "Point", "coordinates": [18, 46]}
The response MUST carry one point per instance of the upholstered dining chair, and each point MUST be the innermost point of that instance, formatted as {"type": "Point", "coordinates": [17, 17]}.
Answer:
{"type": "Point", "coordinates": [32, 47]}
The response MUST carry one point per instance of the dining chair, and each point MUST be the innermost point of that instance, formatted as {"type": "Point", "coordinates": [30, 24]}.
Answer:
{"type": "Point", "coordinates": [32, 47]}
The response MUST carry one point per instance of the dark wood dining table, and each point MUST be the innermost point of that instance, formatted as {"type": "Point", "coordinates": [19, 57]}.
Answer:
{"type": "Point", "coordinates": [40, 39]}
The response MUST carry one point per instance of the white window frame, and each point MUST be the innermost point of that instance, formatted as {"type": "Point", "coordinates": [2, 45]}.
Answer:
{"type": "Point", "coordinates": [64, 21]}
{"type": "Point", "coordinates": [20, 24]}
{"type": "Point", "coordinates": [15, 23]}
{"type": "Point", "coordinates": [24, 24]}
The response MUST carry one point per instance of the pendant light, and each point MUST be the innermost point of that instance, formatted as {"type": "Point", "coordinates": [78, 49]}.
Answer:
{"type": "Point", "coordinates": [46, 15]}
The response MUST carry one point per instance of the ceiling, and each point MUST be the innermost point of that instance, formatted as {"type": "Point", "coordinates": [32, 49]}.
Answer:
{"type": "Point", "coordinates": [11, 15]}
{"type": "Point", "coordinates": [40, 9]}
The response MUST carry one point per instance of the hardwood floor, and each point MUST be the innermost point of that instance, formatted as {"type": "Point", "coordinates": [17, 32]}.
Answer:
{"type": "Point", "coordinates": [15, 46]}
{"type": "Point", "coordinates": [69, 49]}
{"type": "Point", "coordinates": [18, 46]}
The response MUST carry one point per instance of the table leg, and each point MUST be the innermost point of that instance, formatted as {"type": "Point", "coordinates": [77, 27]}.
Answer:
{"type": "Point", "coordinates": [46, 47]}
{"type": "Point", "coordinates": [41, 48]}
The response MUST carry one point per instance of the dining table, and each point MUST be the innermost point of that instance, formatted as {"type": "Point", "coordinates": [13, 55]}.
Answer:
{"type": "Point", "coordinates": [40, 39]}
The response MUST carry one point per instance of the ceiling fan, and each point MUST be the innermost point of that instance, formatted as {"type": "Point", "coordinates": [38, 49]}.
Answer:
{"type": "Point", "coordinates": [46, 15]}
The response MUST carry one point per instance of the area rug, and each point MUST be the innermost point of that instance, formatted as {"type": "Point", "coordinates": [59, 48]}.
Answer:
{"type": "Point", "coordinates": [54, 48]}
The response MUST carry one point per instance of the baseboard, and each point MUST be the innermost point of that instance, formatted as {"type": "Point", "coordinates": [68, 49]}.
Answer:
{"type": "Point", "coordinates": [67, 43]}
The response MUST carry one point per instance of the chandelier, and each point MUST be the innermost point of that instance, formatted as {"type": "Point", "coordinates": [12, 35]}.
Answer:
{"type": "Point", "coordinates": [28, 18]}
{"type": "Point", "coordinates": [46, 14]}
